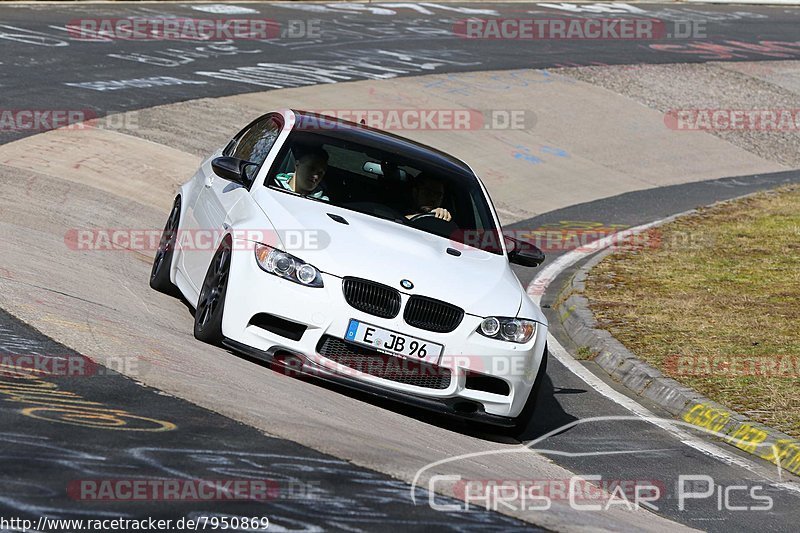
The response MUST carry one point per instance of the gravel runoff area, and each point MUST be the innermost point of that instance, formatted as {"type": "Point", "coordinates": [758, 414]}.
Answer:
{"type": "Point", "coordinates": [767, 85]}
{"type": "Point", "coordinates": [714, 304]}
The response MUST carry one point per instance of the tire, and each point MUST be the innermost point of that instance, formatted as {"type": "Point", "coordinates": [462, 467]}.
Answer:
{"type": "Point", "coordinates": [162, 263]}
{"type": "Point", "coordinates": [521, 421]}
{"type": "Point", "coordinates": [211, 303]}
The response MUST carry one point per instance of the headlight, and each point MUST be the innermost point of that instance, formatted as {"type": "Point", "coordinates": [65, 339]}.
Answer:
{"type": "Point", "coordinates": [516, 330]}
{"type": "Point", "coordinates": [287, 266]}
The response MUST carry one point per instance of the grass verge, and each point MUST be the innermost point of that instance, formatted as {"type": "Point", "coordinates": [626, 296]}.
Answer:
{"type": "Point", "coordinates": [716, 304]}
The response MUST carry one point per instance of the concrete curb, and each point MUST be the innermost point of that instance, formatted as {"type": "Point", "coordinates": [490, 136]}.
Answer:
{"type": "Point", "coordinates": [572, 309]}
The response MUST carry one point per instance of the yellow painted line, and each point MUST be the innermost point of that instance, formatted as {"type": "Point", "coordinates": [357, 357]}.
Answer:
{"type": "Point", "coordinates": [46, 402]}
{"type": "Point", "coordinates": [784, 453]}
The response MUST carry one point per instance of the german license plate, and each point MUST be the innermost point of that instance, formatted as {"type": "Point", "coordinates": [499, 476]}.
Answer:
{"type": "Point", "coordinates": [393, 343]}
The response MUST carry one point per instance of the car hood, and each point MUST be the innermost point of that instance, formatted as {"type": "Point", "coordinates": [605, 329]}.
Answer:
{"type": "Point", "coordinates": [380, 250]}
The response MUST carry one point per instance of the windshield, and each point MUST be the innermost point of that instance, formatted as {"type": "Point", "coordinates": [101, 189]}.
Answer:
{"type": "Point", "coordinates": [386, 185]}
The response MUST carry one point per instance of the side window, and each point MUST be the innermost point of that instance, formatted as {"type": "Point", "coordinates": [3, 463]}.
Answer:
{"type": "Point", "coordinates": [255, 143]}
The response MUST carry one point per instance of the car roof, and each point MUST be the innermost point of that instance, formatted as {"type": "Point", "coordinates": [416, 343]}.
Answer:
{"type": "Point", "coordinates": [362, 134]}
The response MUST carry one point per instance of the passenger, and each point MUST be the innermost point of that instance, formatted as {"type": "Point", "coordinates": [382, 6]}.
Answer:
{"type": "Point", "coordinates": [309, 171]}
{"type": "Point", "coordinates": [427, 195]}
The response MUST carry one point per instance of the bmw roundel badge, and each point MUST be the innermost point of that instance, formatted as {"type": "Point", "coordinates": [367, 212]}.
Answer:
{"type": "Point", "coordinates": [406, 284]}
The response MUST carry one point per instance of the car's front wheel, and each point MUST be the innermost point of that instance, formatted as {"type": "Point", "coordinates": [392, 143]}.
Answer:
{"type": "Point", "coordinates": [159, 274]}
{"type": "Point", "coordinates": [521, 421]}
{"type": "Point", "coordinates": [211, 304]}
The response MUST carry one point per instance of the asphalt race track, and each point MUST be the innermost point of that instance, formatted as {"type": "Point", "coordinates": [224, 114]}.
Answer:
{"type": "Point", "coordinates": [324, 473]}
{"type": "Point", "coordinates": [204, 446]}
{"type": "Point", "coordinates": [39, 54]}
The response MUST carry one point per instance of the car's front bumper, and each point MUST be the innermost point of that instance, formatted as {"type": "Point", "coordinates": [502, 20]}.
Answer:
{"type": "Point", "coordinates": [325, 312]}
{"type": "Point", "coordinates": [297, 364]}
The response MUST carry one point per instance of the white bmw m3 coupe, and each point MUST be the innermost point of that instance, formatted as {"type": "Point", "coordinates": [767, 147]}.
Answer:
{"type": "Point", "coordinates": [355, 255]}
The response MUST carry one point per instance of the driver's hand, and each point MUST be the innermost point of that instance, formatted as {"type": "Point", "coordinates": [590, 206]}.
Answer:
{"type": "Point", "coordinates": [441, 212]}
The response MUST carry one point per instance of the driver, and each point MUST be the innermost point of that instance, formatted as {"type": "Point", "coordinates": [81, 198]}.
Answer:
{"type": "Point", "coordinates": [427, 194]}
{"type": "Point", "coordinates": [309, 171]}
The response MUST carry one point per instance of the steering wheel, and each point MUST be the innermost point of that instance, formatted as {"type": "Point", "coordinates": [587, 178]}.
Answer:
{"type": "Point", "coordinates": [423, 215]}
{"type": "Point", "coordinates": [428, 222]}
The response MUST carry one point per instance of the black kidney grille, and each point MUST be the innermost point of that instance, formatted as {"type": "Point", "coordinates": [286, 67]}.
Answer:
{"type": "Point", "coordinates": [384, 366]}
{"type": "Point", "coordinates": [370, 297]}
{"type": "Point", "coordinates": [433, 315]}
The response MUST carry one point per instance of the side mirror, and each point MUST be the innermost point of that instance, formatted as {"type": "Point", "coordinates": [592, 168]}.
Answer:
{"type": "Point", "coordinates": [524, 253]}
{"type": "Point", "coordinates": [232, 169]}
